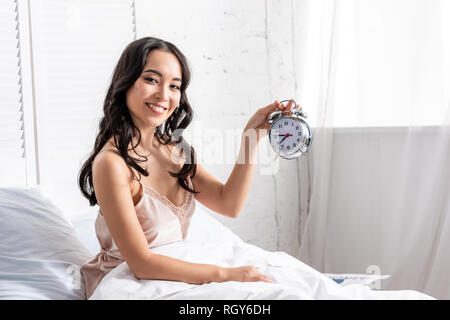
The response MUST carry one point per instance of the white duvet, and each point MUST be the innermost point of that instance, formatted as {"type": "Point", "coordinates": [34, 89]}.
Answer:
{"type": "Point", "coordinates": [211, 242]}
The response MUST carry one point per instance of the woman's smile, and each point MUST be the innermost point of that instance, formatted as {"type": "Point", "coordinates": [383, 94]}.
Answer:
{"type": "Point", "coordinates": [157, 108]}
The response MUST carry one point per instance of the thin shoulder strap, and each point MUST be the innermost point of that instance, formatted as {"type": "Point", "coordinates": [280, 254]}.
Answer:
{"type": "Point", "coordinates": [111, 149]}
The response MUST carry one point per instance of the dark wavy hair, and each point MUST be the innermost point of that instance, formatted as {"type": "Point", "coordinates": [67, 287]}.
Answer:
{"type": "Point", "coordinates": [116, 121]}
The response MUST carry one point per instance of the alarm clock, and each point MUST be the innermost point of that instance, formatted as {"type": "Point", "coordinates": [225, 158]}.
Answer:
{"type": "Point", "coordinates": [290, 135]}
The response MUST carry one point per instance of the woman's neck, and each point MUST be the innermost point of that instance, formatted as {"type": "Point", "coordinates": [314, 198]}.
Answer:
{"type": "Point", "coordinates": [147, 141]}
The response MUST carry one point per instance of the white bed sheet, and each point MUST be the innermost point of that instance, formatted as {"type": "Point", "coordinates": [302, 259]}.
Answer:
{"type": "Point", "coordinates": [211, 242]}
{"type": "Point", "coordinates": [41, 253]}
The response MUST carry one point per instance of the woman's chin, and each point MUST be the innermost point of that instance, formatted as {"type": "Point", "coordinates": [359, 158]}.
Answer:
{"type": "Point", "coordinates": [149, 121]}
{"type": "Point", "coordinates": [153, 123]}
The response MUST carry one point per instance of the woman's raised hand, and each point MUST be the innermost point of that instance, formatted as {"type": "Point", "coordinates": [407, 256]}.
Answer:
{"type": "Point", "coordinates": [258, 121]}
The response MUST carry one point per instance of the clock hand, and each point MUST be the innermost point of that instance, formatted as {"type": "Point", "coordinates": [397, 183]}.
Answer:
{"type": "Point", "coordinates": [285, 136]}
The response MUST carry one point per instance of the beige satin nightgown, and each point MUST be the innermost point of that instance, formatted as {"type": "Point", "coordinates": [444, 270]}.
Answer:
{"type": "Point", "coordinates": [162, 223]}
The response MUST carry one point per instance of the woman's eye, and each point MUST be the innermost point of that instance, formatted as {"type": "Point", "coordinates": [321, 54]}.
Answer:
{"type": "Point", "coordinates": [150, 79]}
{"type": "Point", "coordinates": [154, 81]}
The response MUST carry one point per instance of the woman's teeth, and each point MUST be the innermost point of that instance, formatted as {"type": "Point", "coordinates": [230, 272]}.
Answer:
{"type": "Point", "coordinates": [156, 108]}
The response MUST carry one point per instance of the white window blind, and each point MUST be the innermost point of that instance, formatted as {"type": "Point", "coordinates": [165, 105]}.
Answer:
{"type": "Point", "coordinates": [12, 152]}
{"type": "Point", "coordinates": [76, 45]}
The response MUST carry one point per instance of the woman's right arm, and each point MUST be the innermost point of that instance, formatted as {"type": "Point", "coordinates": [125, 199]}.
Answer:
{"type": "Point", "coordinates": [112, 179]}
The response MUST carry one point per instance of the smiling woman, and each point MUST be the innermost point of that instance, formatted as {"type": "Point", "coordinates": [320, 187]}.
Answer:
{"type": "Point", "coordinates": [158, 90]}
{"type": "Point", "coordinates": [138, 210]}
{"type": "Point", "coordinates": [127, 117]}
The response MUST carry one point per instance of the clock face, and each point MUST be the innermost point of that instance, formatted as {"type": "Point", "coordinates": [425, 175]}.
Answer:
{"type": "Point", "coordinates": [286, 135]}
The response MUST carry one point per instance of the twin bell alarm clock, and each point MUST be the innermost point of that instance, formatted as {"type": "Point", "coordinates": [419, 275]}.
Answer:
{"type": "Point", "coordinates": [289, 135]}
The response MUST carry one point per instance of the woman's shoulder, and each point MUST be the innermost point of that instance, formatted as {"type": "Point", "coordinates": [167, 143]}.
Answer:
{"type": "Point", "coordinates": [109, 162]}
{"type": "Point", "coordinates": [108, 154]}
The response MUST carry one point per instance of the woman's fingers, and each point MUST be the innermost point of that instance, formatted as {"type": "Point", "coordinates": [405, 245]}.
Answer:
{"type": "Point", "coordinates": [276, 105]}
{"type": "Point", "coordinates": [272, 107]}
{"type": "Point", "coordinates": [290, 104]}
{"type": "Point", "coordinates": [267, 279]}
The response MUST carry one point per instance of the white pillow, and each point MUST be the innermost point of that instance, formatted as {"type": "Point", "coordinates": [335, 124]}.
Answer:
{"type": "Point", "coordinates": [85, 227]}
{"type": "Point", "coordinates": [40, 253]}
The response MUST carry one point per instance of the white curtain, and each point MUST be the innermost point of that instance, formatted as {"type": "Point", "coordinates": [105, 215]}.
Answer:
{"type": "Point", "coordinates": [374, 80]}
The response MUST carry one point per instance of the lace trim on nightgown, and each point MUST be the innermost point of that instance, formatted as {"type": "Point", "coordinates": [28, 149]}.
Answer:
{"type": "Point", "coordinates": [181, 212]}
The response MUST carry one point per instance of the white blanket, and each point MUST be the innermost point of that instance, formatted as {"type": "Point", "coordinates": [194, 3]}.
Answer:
{"type": "Point", "coordinates": [211, 242]}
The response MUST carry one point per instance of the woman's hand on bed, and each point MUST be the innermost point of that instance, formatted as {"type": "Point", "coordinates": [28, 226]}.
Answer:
{"type": "Point", "coordinates": [246, 274]}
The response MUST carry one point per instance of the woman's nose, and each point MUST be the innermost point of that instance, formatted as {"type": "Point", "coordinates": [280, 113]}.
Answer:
{"type": "Point", "coordinates": [162, 93]}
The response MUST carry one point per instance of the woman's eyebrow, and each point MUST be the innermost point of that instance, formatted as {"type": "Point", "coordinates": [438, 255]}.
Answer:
{"type": "Point", "coordinates": [160, 74]}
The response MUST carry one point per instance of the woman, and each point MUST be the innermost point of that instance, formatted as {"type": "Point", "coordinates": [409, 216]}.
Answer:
{"type": "Point", "coordinates": [145, 197]}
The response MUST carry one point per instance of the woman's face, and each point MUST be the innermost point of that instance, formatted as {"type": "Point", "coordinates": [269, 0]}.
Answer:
{"type": "Point", "coordinates": [156, 93]}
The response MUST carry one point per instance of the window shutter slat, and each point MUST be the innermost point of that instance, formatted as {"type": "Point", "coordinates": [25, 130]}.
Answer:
{"type": "Point", "coordinates": [12, 161]}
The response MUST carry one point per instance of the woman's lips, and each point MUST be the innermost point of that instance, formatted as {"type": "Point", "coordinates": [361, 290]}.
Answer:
{"type": "Point", "coordinates": [155, 108]}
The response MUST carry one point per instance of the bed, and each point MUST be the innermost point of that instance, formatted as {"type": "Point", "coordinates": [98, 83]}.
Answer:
{"type": "Point", "coordinates": [42, 251]}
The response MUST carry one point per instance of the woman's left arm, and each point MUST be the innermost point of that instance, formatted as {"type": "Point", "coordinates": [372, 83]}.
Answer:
{"type": "Point", "coordinates": [228, 199]}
